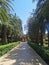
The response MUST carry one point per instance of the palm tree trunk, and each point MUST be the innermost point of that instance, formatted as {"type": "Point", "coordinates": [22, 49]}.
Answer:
{"type": "Point", "coordinates": [41, 38]}
{"type": "Point", "coordinates": [4, 34]}
{"type": "Point", "coordinates": [48, 39]}
{"type": "Point", "coordinates": [37, 37]}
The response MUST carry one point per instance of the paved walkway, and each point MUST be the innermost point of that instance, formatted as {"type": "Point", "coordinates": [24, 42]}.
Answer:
{"type": "Point", "coordinates": [21, 55]}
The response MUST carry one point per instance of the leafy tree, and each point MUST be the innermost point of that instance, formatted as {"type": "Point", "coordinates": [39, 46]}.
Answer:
{"type": "Point", "coordinates": [37, 25]}
{"type": "Point", "coordinates": [5, 7]}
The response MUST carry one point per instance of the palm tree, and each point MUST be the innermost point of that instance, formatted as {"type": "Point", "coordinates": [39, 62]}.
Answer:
{"type": "Point", "coordinates": [5, 7]}
{"type": "Point", "coordinates": [16, 25]}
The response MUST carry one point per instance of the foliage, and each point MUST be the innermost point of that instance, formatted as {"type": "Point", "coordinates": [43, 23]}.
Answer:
{"type": "Point", "coordinates": [13, 29]}
{"type": "Point", "coordinates": [5, 48]}
{"type": "Point", "coordinates": [5, 7]}
{"type": "Point", "coordinates": [36, 24]}
{"type": "Point", "coordinates": [42, 51]}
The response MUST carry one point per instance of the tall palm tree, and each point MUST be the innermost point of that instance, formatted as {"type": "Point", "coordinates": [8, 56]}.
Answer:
{"type": "Point", "coordinates": [5, 7]}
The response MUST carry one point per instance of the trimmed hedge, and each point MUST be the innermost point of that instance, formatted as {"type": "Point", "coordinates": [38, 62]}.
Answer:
{"type": "Point", "coordinates": [43, 52]}
{"type": "Point", "coordinates": [5, 48]}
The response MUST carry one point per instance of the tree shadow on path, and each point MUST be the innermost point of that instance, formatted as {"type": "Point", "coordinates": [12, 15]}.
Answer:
{"type": "Point", "coordinates": [24, 55]}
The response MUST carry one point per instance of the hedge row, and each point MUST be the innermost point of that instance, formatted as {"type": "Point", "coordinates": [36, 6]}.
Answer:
{"type": "Point", "coordinates": [44, 53]}
{"type": "Point", "coordinates": [5, 48]}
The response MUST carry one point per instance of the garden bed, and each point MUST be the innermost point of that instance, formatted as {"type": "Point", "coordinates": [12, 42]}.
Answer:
{"type": "Point", "coordinates": [42, 51]}
{"type": "Point", "coordinates": [5, 48]}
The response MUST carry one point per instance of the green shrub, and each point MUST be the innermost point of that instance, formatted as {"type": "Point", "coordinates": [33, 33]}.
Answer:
{"type": "Point", "coordinates": [43, 52]}
{"type": "Point", "coordinates": [5, 48]}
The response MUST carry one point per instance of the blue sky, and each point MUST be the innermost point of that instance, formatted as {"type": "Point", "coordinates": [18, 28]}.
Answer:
{"type": "Point", "coordinates": [23, 9]}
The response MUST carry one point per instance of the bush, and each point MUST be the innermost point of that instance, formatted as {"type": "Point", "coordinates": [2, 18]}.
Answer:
{"type": "Point", "coordinates": [43, 52]}
{"type": "Point", "coordinates": [5, 48]}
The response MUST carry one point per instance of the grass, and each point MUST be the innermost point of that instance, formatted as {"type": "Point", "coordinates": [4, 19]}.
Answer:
{"type": "Point", "coordinates": [5, 48]}
{"type": "Point", "coordinates": [41, 50]}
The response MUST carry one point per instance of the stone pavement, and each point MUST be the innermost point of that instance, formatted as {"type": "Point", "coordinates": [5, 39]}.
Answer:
{"type": "Point", "coordinates": [23, 54]}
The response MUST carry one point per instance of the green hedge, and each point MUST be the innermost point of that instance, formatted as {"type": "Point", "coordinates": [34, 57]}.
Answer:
{"type": "Point", "coordinates": [43, 52]}
{"type": "Point", "coordinates": [5, 48]}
